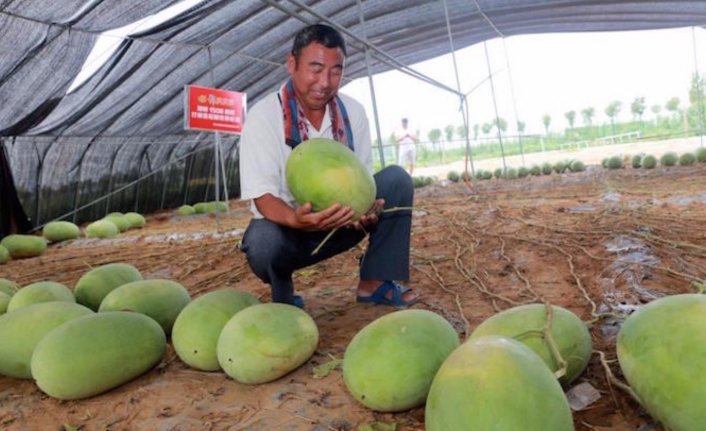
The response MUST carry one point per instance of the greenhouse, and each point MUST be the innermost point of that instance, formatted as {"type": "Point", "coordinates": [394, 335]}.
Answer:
{"type": "Point", "coordinates": [93, 130]}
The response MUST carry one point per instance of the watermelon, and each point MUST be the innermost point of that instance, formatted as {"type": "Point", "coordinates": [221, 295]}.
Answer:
{"type": "Point", "coordinates": [390, 363]}
{"type": "Point", "coordinates": [196, 329]}
{"type": "Point", "coordinates": [57, 231]}
{"type": "Point", "coordinates": [42, 291]}
{"type": "Point", "coordinates": [185, 210]}
{"type": "Point", "coordinates": [266, 341]}
{"type": "Point", "coordinates": [21, 246]}
{"type": "Point", "coordinates": [496, 383]}
{"type": "Point", "coordinates": [525, 323]}
{"type": "Point", "coordinates": [324, 172]}
{"type": "Point", "coordinates": [160, 299]}
{"type": "Point", "coordinates": [21, 330]}
{"type": "Point", "coordinates": [8, 286]}
{"type": "Point", "coordinates": [95, 284]}
{"type": "Point", "coordinates": [4, 301]}
{"type": "Point", "coordinates": [4, 254]}
{"type": "Point", "coordinates": [102, 229]}
{"type": "Point", "coordinates": [661, 349]}
{"type": "Point", "coordinates": [92, 354]}
{"type": "Point", "coordinates": [119, 220]}
{"type": "Point", "coordinates": [136, 220]}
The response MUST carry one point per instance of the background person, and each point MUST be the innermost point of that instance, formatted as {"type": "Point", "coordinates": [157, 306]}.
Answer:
{"type": "Point", "coordinates": [406, 139]}
{"type": "Point", "coordinates": [282, 235]}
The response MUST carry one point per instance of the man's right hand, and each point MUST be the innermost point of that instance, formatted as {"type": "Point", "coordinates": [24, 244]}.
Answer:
{"type": "Point", "coordinates": [332, 217]}
{"type": "Point", "coordinates": [278, 211]}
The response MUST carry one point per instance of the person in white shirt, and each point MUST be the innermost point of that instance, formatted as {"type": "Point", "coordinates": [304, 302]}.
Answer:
{"type": "Point", "coordinates": [406, 139]}
{"type": "Point", "coordinates": [282, 234]}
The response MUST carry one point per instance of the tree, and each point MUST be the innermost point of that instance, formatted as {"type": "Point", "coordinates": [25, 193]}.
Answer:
{"type": "Point", "coordinates": [476, 128]}
{"type": "Point", "coordinates": [672, 106]}
{"type": "Point", "coordinates": [587, 114]}
{"type": "Point", "coordinates": [486, 128]}
{"type": "Point", "coordinates": [697, 102]}
{"type": "Point", "coordinates": [521, 127]}
{"type": "Point", "coordinates": [637, 107]}
{"type": "Point", "coordinates": [449, 133]}
{"type": "Point", "coordinates": [500, 123]}
{"type": "Point", "coordinates": [612, 111]}
{"type": "Point", "coordinates": [656, 109]}
{"type": "Point", "coordinates": [461, 131]}
{"type": "Point", "coordinates": [434, 136]}
{"type": "Point", "coordinates": [571, 118]}
{"type": "Point", "coordinates": [546, 120]}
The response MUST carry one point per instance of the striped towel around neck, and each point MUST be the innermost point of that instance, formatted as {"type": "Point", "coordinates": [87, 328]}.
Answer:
{"type": "Point", "coordinates": [295, 129]}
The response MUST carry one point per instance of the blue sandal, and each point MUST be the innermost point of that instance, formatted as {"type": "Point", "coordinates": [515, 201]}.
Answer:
{"type": "Point", "coordinates": [379, 296]}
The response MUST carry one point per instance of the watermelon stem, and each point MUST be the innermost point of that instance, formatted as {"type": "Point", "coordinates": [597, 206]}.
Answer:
{"type": "Point", "coordinates": [321, 244]}
{"type": "Point", "coordinates": [547, 333]}
{"type": "Point", "coordinates": [330, 234]}
{"type": "Point", "coordinates": [612, 380]}
{"type": "Point", "coordinates": [393, 209]}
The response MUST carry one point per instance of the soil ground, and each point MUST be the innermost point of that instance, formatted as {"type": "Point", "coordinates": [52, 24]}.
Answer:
{"type": "Point", "coordinates": [599, 243]}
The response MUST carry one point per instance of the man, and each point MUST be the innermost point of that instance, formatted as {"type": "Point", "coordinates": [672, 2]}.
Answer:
{"type": "Point", "coordinates": [282, 235]}
{"type": "Point", "coordinates": [406, 140]}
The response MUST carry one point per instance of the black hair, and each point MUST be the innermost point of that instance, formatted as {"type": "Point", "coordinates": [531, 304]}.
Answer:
{"type": "Point", "coordinates": [319, 33]}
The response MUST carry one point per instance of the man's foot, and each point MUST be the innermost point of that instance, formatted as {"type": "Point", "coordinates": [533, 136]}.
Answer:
{"type": "Point", "coordinates": [386, 293]}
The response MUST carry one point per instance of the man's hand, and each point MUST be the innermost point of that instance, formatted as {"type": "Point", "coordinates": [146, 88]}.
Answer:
{"type": "Point", "coordinates": [332, 217]}
{"type": "Point", "coordinates": [372, 216]}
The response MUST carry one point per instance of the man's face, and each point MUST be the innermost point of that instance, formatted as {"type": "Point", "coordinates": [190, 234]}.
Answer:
{"type": "Point", "coordinates": [316, 75]}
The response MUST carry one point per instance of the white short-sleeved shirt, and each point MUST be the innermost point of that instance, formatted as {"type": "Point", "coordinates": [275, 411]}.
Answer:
{"type": "Point", "coordinates": [405, 136]}
{"type": "Point", "coordinates": [263, 152]}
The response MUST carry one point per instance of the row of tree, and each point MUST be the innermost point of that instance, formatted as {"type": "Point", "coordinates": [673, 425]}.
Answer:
{"type": "Point", "coordinates": [694, 114]}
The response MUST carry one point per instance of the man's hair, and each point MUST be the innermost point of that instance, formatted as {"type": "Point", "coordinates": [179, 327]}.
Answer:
{"type": "Point", "coordinates": [319, 33]}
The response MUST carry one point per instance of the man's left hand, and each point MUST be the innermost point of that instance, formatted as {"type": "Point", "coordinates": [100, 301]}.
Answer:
{"type": "Point", "coordinates": [372, 216]}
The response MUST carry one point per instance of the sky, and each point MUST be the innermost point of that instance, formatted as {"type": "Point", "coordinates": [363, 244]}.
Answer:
{"type": "Point", "coordinates": [548, 74]}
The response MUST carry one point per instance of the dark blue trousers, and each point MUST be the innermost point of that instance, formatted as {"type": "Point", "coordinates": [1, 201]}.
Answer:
{"type": "Point", "coordinates": [274, 252]}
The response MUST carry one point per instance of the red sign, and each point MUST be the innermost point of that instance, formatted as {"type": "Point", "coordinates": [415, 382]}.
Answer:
{"type": "Point", "coordinates": [213, 109]}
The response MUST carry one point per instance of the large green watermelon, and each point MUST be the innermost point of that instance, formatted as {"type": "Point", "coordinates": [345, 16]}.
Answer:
{"type": "Point", "coordinates": [496, 383]}
{"type": "Point", "coordinates": [661, 350]}
{"type": "Point", "coordinates": [92, 354]}
{"type": "Point", "coordinates": [57, 231]}
{"type": "Point", "coordinates": [264, 342]}
{"type": "Point", "coordinates": [8, 286]}
{"type": "Point", "coordinates": [22, 329]}
{"type": "Point", "coordinates": [325, 172]}
{"type": "Point", "coordinates": [390, 363]}
{"type": "Point", "coordinates": [525, 323]}
{"type": "Point", "coordinates": [21, 246]}
{"type": "Point", "coordinates": [160, 299]}
{"type": "Point", "coordinates": [197, 327]}
{"type": "Point", "coordinates": [4, 254]}
{"type": "Point", "coordinates": [41, 291]}
{"type": "Point", "coordinates": [98, 282]}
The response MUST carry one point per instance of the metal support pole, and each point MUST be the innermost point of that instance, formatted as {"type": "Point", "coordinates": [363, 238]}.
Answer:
{"type": "Point", "coordinates": [371, 84]}
{"type": "Point", "coordinates": [495, 105]}
{"type": "Point", "coordinates": [463, 99]}
{"type": "Point", "coordinates": [699, 88]}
